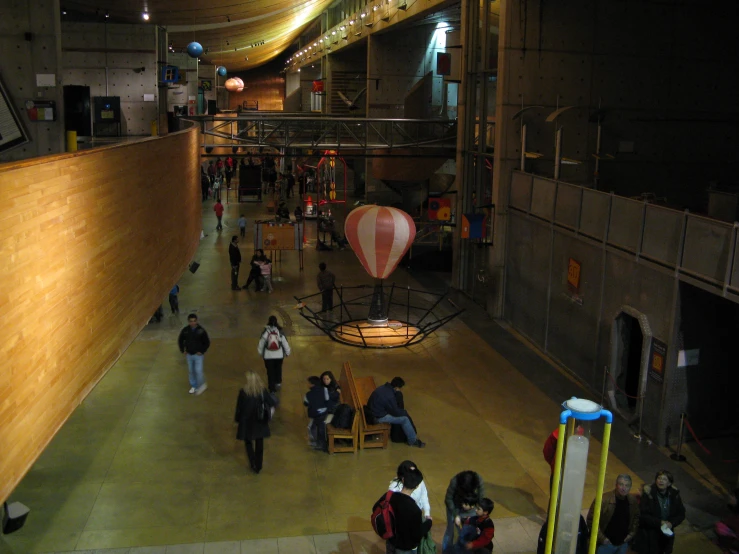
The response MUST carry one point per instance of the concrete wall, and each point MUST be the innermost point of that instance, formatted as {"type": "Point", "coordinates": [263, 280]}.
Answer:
{"type": "Point", "coordinates": [207, 72]}
{"type": "Point", "coordinates": [656, 69]}
{"type": "Point", "coordinates": [539, 303]}
{"type": "Point", "coordinates": [84, 269]}
{"type": "Point", "coordinates": [182, 93]}
{"type": "Point", "coordinates": [115, 60]}
{"type": "Point", "coordinates": [397, 61]}
{"type": "Point", "coordinates": [21, 60]}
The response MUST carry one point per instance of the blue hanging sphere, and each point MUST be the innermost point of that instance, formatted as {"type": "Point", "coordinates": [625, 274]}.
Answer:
{"type": "Point", "coordinates": [194, 49]}
{"type": "Point", "coordinates": [221, 71]}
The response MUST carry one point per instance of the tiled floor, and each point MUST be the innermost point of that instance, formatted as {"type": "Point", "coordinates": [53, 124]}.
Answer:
{"type": "Point", "coordinates": [142, 464]}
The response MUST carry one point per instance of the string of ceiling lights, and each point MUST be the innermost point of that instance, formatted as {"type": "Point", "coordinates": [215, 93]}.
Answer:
{"type": "Point", "coordinates": [339, 32]}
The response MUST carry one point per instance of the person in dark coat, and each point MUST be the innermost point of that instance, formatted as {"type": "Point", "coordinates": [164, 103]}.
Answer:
{"type": "Point", "coordinates": [466, 487]}
{"type": "Point", "coordinates": [253, 427]}
{"type": "Point", "coordinates": [383, 405]}
{"type": "Point", "coordinates": [234, 256]}
{"type": "Point", "coordinates": [255, 273]}
{"type": "Point", "coordinates": [660, 511]}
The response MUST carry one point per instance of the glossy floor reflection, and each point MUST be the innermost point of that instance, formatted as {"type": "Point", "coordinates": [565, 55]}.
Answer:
{"type": "Point", "coordinates": [142, 463]}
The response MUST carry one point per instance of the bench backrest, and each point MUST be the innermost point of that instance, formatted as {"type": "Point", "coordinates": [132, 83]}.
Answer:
{"type": "Point", "coordinates": [346, 389]}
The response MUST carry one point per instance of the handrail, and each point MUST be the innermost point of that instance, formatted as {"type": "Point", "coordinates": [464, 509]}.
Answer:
{"type": "Point", "coordinates": [28, 162]}
{"type": "Point", "coordinates": [687, 252]}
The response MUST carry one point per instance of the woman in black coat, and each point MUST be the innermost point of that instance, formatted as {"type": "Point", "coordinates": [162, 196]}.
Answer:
{"type": "Point", "coordinates": [253, 427]}
{"type": "Point", "coordinates": [660, 508]}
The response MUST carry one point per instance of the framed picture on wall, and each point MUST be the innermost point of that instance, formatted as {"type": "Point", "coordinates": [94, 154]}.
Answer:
{"type": "Point", "coordinates": [12, 133]}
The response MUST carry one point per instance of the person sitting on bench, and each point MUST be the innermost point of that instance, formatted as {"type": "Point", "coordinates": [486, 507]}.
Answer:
{"type": "Point", "coordinates": [383, 405]}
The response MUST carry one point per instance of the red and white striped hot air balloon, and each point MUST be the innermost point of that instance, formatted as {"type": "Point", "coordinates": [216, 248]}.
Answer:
{"type": "Point", "coordinates": [379, 236]}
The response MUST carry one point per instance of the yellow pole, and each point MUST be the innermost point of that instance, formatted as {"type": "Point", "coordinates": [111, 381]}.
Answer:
{"type": "Point", "coordinates": [555, 489]}
{"type": "Point", "coordinates": [599, 487]}
{"type": "Point", "coordinates": [153, 127]}
{"type": "Point", "coordinates": [71, 141]}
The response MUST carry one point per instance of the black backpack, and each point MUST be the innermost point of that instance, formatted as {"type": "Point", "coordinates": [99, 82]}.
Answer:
{"type": "Point", "coordinates": [343, 417]}
{"type": "Point", "coordinates": [264, 411]}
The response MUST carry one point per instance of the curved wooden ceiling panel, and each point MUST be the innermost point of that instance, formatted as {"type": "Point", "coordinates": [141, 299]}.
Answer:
{"type": "Point", "coordinates": [230, 30]}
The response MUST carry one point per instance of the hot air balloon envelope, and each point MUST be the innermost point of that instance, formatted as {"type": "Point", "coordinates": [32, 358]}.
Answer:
{"type": "Point", "coordinates": [379, 236]}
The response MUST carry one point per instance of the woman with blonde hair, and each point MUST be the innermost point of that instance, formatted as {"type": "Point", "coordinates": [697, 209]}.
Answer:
{"type": "Point", "coordinates": [254, 408]}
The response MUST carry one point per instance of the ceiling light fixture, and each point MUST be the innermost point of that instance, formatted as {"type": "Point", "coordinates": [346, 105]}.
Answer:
{"type": "Point", "coordinates": [363, 15]}
{"type": "Point", "coordinates": [107, 14]}
{"type": "Point", "coordinates": [374, 8]}
{"type": "Point", "coordinates": [320, 40]}
{"type": "Point", "coordinates": [351, 22]}
{"type": "Point", "coordinates": [145, 15]}
{"type": "Point", "coordinates": [326, 37]}
{"type": "Point", "coordinates": [333, 32]}
{"type": "Point", "coordinates": [342, 28]}
{"type": "Point", "coordinates": [64, 11]}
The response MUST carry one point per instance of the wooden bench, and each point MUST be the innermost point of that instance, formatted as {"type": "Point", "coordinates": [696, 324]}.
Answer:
{"type": "Point", "coordinates": [361, 389]}
{"type": "Point", "coordinates": [335, 433]}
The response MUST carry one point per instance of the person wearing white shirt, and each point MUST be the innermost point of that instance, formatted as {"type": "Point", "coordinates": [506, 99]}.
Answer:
{"type": "Point", "coordinates": [420, 495]}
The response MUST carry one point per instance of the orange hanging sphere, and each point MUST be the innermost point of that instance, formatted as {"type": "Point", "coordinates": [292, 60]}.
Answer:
{"type": "Point", "coordinates": [231, 85]}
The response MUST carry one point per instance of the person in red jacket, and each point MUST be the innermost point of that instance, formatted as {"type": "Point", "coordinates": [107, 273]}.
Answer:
{"type": "Point", "coordinates": [476, 535]}
{"type": "Point", "coordinates": [218, 208]}
{"type": "Point", "coordinates": [550, 452]}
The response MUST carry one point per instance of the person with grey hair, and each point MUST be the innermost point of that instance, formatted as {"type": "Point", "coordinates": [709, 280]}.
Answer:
{"type": "Point", "coordinates": [619, 518]}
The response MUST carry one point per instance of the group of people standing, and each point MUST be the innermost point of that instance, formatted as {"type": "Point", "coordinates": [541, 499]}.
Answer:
{"type": "Point", "coordinates": [643, 524]}
{"type": "Point", "coordinates": [467, 514]}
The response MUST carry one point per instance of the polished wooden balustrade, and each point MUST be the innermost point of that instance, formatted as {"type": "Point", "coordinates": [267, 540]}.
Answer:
{"type": "Point", "coordinates": [90, 244]}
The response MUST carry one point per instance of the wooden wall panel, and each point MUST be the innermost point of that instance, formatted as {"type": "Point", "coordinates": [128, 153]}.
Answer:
{"type": "Point", "coordinates": [265, 85]}
{"type": "Point", "coordinates": [90, 243]}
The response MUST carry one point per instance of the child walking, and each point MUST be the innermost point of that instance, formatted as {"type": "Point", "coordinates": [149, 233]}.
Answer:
{"type": "Point", "coordinates": [266, 270]}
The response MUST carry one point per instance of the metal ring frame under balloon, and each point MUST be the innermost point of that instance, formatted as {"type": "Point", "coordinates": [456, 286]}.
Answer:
{"type": "Point", "coordinates": [412, 316]}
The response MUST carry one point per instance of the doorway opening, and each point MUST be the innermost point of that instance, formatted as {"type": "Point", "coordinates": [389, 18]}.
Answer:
{"type": "Point", "coordinates": [627, 364]}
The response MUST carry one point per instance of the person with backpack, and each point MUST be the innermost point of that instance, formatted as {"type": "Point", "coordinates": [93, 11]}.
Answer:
{"type": "Point", "coordinates": [420, 495]}
{"type": "Point", "coordinates": [397, 519]}
{"type": "Point", "coordinates": [273, 347]}
{"type": "Point", "coordinates": [383, 405]}
{"type": "Point", "coordinates": [254, 408]}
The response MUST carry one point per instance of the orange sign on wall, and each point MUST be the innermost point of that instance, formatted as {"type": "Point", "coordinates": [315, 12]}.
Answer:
{"type": "Point", "coordinates": [573, 275]}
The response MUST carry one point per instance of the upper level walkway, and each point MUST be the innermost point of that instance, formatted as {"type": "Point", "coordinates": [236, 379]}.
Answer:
{"type": "Point", "coordinates": [298, 130]}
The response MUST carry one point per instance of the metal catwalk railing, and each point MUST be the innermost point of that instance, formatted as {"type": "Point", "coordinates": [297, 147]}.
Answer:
{"type": "Point", "coordinates": [699, 249]}
{"type": "Point", "coordinates": [324, 132]}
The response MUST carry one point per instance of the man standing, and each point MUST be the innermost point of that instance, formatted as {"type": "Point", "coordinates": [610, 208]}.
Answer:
{"type": "Point", "coordinates": [326, 281]}
{"type": "Point", "coordinates": [234, 255]}
{"type": "Point", "coordinates": [384, 407]}
{"type": "Point", "coordinates": [194, 343]}
{"type": "Point", "coordinates": [619, 518]}
{"type": "Point", "coordinates": [410, 525]}
{"type": "Point", "coordinates": [218, 208]}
